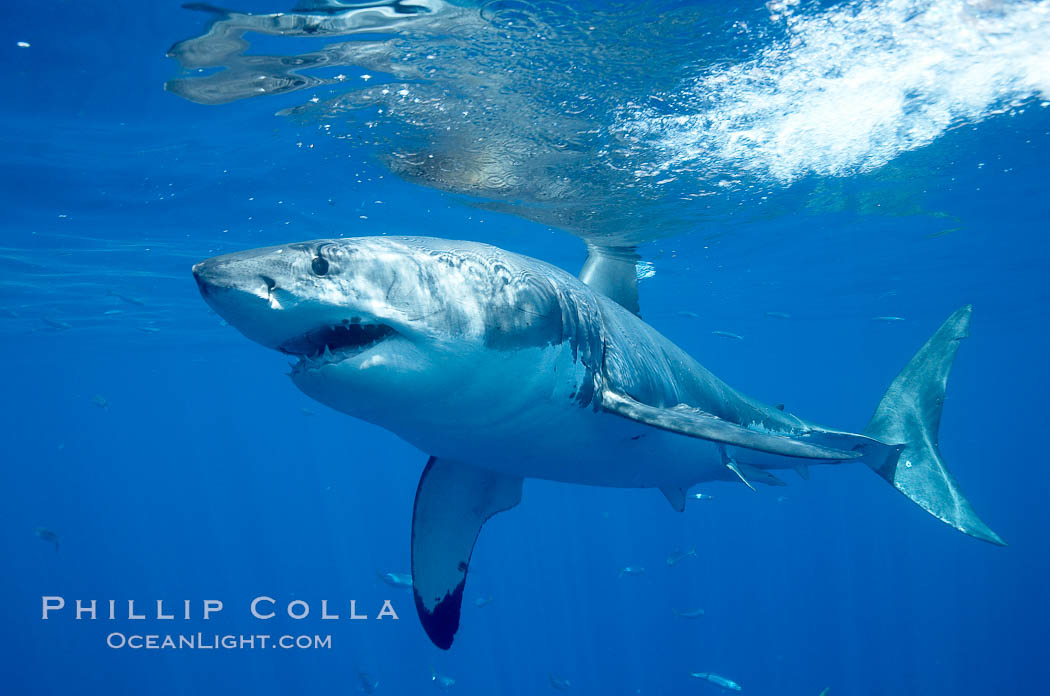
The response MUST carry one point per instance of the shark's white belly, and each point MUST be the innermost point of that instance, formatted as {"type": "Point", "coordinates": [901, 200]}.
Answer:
{"type": "Point", "coordinates": [577, 445]}
{"type": "Point", "coordinates": [535, 427]}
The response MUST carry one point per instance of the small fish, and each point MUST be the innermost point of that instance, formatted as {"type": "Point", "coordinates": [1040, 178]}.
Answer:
{"type": "Point", "coordinates": [717, 680]}
{"type": "Point", "coordinates": [778, 315]}
{"type": "Point", "coordinates": [631, 570]}
{"type": "Point", "coordinates": [825, 692]}
{"type": "Point", "coordinates": [559, 683]}
{"type": "Point", "coordinates": [112, 312]}
{"type": "Point", "coordinates": [441, 681]}
{"type": "Point", "coordinates": [10, 314]}
{"type": "Point", "coordinates": [781, 498]}
{"type": "Point", "coordinates": [727, 334]}
{"type": "Point", "coordinates": [100, 401]}
{"type": "Point", "coordinates": [399, 580]}
{"type": "Point", "coordinates": [369, 684]}
{"type": "Point", "coordinates": [889, 320]}
{"type": "Point", "coordinates": [45, 534]}
{"type": "Point", "coordinates": [678, 556]}
{"type": "Point", "coordinates": [483, 602]}
{"type": "Point", "coordinates": [689, 315]}
{"type": "Point", "coordinates": [56, 324]}
{"type": "Point", "coordinates": [689, 613]}
{"type": "Point", "coordinates": [126, 298]}
{"type": "Point", "coordinates": [307, 412]}
{"type": "Point", "coordinates": [700, 496]}
{"type": "Point", "coordinates": [149, 329]}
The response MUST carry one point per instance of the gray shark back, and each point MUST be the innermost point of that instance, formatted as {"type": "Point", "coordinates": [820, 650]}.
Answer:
{"type": "Point", "coordinates": [641, 362]}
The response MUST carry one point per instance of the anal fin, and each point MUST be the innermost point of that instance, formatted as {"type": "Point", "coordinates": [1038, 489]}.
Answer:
{"type": "Point", "coordinates": [453, 501]}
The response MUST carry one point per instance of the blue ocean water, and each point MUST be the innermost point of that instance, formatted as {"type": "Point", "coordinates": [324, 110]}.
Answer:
{"type": "Point", "coordinates": [832, 162]}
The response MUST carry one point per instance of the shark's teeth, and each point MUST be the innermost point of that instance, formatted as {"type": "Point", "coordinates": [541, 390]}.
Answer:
{"type": "Point", "coordinates": [337, 339]}
{"type": "Point", "coordinates": [327, 356]}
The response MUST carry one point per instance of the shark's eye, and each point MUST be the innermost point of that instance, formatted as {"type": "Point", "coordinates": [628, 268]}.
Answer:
{"type": "Point", "coordinates": [320, 265]}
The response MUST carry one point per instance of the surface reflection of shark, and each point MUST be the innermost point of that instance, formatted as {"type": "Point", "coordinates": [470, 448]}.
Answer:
{"type": "Point", "coordinates": [242, 76]}
{"type": "Point", "coordinates": [633, 121]}
{"type": "Point", "coordinates": [502, 367]}
{"type": "Point", "coordinates": [509, 104]}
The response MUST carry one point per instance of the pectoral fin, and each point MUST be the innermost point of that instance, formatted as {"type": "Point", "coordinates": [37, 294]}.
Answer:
{"type": "Point", "coordinates": [753, 473]}
{"type": "Point", "coordinates": [735, 468]}
{"type": "Point", "coordinates": [693, 422]}
{"type": "Point", "coordinates": [453, 501]}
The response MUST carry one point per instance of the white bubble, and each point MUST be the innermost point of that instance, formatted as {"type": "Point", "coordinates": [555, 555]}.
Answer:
{"type": "Point", "coordinates": [853, 87]}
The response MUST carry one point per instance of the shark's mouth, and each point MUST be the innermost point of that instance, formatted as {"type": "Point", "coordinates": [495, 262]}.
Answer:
{"type": "Point", "coordinates": [335, 343]}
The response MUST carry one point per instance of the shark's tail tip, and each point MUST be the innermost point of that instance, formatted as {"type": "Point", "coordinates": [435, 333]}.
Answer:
{"type": "Point", "coordinates": [959, 322]}
{"type": "Point", "coordinates": [910, 414]}
{"type": "Point", "coordinates": [991, 537]}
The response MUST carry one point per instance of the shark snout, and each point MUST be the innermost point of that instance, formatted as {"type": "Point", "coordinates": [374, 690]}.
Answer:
{"type": "Point", "coordinates": [216, 275]}
{"type": "Point", "coordinates": [251, 291]}
{"type": "Point", "coordinates": [212, 276]}
{"type": "Point", "coordinates": [198, 275]}
{"type": "Point", "coordinates": [241, 296]}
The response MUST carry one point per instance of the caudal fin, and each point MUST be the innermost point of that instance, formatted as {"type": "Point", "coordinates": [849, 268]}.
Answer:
{"type": "Point", "coordinates": [909, 416]}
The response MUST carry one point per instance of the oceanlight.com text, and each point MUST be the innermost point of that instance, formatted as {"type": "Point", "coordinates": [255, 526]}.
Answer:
{"type": "Point", "coordinates": [213, 641]}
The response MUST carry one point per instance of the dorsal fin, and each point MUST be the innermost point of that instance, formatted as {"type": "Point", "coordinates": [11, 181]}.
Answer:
{"type": "Point", "coordinates": [612, 271]}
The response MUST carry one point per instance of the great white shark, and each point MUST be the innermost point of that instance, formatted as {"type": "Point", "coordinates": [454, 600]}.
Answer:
{"type": "Point", "coordinates": [503, 367]}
